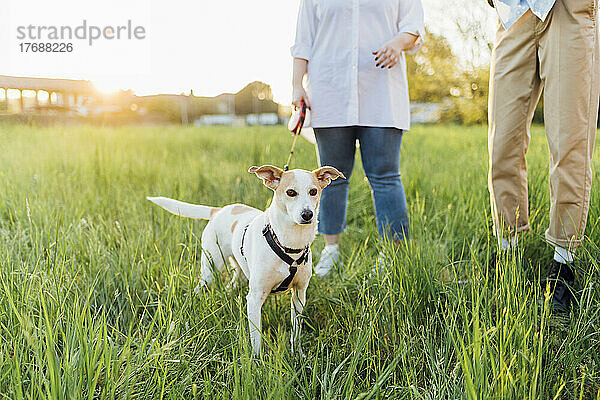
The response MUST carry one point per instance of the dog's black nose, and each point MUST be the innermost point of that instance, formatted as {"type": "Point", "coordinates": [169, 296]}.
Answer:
{"type": "Point", "coordinates": [307, 215]}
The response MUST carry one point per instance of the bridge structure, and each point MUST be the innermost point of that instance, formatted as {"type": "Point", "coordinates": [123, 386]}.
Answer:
{"type": "Point", "coordinates": [65, 91]}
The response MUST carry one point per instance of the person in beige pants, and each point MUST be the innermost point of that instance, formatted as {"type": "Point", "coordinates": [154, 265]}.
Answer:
{"type": "Point", "coordinates": [556, 55]}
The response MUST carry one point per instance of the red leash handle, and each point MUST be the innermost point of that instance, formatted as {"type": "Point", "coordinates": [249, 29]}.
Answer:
{"type": "Point", "coordinates": [300, 123]}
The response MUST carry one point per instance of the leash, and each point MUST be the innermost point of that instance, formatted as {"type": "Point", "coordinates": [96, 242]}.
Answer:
{"type": "Point", "coordinates": [280, 250]}
{"type": "Point", "coordinates": [296, 132]}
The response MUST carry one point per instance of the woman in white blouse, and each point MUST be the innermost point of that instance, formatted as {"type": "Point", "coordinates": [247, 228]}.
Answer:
{"type": "Point", "coordinates": [352, 52]}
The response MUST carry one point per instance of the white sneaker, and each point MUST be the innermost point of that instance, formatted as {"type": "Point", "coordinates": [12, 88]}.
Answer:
{"type": "Point", "coordinates": [329, 256]}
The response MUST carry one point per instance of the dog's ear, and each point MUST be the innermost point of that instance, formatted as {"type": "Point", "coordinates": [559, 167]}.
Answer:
{"type": "Point", "coordinates": [326, 174]}
{"type": "Point", "coordinates": [270, 175]}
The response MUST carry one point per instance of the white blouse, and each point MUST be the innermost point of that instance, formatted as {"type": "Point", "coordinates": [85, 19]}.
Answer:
{"type": "Point", "coordinates": [337, 37]}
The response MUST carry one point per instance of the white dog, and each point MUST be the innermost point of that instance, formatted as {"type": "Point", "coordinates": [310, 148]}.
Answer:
{"type": "Point", "coordinates": [272, 248]}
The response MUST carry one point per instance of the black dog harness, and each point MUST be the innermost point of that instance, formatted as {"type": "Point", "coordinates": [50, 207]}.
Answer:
{"type": "Point", "coordinates": [283, 253]}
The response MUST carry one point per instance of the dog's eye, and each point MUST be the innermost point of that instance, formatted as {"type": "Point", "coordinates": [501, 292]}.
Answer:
{"type": "Point", "coordinates": [291, 192]}
{"type": "Point", "coordinates": [312, 192]}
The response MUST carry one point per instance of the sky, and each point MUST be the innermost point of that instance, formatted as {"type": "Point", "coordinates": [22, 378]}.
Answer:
{"type": "Point", "coordinates": [209, 47]}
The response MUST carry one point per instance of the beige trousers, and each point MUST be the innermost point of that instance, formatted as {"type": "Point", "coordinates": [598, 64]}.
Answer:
{"type": "Point", "coordinates": [560, 56]}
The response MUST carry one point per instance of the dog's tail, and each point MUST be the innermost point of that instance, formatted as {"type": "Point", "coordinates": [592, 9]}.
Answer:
{"type": "Point", "coordinates": [185, 209]}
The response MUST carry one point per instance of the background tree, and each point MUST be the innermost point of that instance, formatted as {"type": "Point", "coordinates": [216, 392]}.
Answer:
{"type": "Point", "coordinates": [433, 71]}
{"type": "Point", "coordinates": [455, 76]}
{"type": "Point", "coordinates": [436, 75]}
{"type": "Point", "coordinates": [255, 98]}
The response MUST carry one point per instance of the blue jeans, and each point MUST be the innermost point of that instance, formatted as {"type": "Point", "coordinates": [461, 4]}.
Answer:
{"type": "Point", "coordinates": [380, 152]}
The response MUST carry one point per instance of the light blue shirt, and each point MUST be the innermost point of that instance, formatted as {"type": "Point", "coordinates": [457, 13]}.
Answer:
{"type": "Point", "coordinates": [509, 11]}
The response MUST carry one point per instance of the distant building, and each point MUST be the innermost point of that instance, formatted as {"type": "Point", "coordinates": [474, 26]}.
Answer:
{"type": "Point", "coordinates": [51, 100]}
{"type": "Point", "coordinates": [220, 119]}
{"type": "Point", "coordinates": [262, 119]}
{"type": "Point", "coordinates": [238, 120]}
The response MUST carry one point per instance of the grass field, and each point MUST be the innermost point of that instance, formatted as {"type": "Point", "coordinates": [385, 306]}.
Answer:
{"type": "Point", "coordinates": [97, 284]}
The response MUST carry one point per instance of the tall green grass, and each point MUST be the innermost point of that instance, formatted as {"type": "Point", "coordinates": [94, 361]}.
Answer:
{"type": "Point", "coordinates": [97, 285]}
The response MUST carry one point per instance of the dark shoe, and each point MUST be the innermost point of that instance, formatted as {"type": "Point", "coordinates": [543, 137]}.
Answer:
{"type": "Point", "coordinates": [561, 279]}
